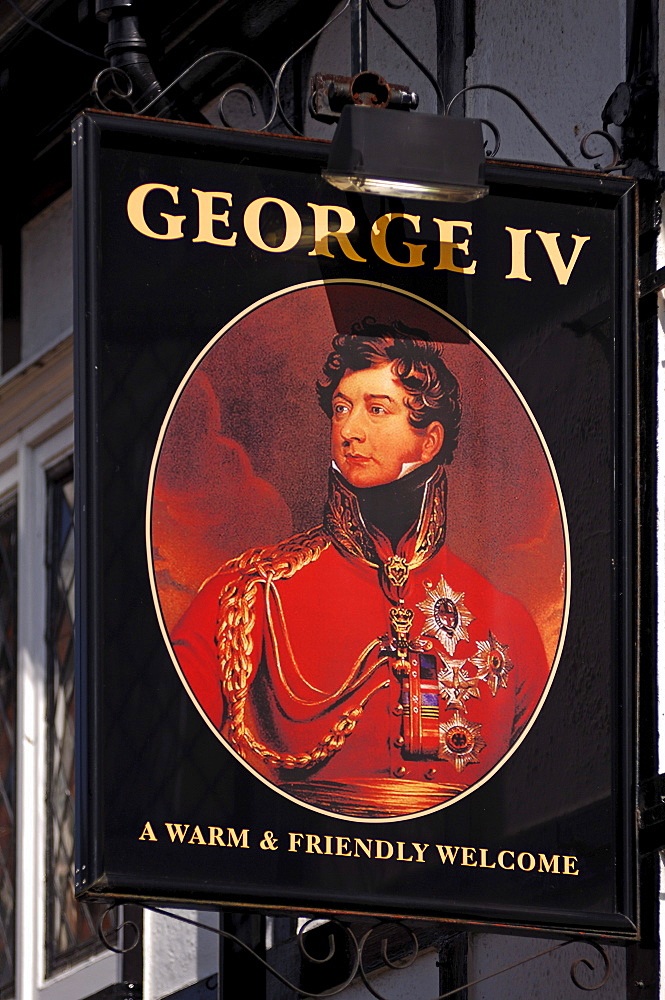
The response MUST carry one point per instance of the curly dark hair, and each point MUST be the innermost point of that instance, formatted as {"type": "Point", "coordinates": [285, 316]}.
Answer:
{"type": "Point", "coordinates": [417, 362]}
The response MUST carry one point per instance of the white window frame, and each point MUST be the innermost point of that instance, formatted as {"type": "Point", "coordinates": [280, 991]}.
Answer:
{"type": "Point", "coordinates": [36, 407]}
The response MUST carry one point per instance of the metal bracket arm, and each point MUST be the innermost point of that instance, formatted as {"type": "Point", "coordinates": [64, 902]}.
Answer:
{"type": "Point", "coordinates": [651, 800]}
{"type": "Point", "coordinates": [653, 282]}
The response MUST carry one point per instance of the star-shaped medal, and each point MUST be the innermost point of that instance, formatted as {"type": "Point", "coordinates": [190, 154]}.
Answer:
{"type": "Point", "coordinates": [460, 742]}
{"type": "Point", "coordinates": [445, 615]}
{"type": "Point", "coordinates": [455, 684]}
{"type": "Point", "coordinates": [492, 663]}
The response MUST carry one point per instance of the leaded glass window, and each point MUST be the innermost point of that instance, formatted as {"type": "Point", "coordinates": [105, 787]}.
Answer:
{"type": "Point", "coordinates": [70, 926]}
{"type": "Point", "coordinates": [8, 593]}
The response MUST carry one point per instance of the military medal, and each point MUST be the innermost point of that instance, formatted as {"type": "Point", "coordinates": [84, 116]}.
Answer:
{"type": "Point", "coordinates": [446, 616]}
{"type": "Point", "coordinates": [492, 663]}
{"type": "Point", "coordinates": [456, 685]}
{"type": "Point", "coordinates": [432, 684]}
{"type": "Point", "coordinates": [460, 742]}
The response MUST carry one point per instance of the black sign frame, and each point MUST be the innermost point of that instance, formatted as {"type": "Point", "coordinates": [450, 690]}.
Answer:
{"type": "Point", "coordinates": [118, 751]}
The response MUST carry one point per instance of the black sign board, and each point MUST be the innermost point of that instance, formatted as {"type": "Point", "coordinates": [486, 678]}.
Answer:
{"type": "Point", "coordinates": [401, 682]}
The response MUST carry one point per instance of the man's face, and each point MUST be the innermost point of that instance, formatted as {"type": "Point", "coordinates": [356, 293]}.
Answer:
{"type": "Point", "coordinates": [372, 439]}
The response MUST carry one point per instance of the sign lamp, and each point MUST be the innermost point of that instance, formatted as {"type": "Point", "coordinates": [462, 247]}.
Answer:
{"type": "Point", "coordinates": [403, 155]}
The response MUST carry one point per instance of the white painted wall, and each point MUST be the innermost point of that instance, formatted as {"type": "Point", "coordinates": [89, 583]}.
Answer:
{"type": "Point", "coordinates": [563, 58]}
{"type": "Point", "coordinates": [176, 954]}
{"type": "Point", "coordinates": [47, 282]}
{"type": "Point", "coordinates": [419, 981]}
{"type": "Point", "coordinates": [548, 976]}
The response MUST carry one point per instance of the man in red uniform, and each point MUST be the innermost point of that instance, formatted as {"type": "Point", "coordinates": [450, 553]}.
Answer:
{"type": "Point", "coordinates": [360, 666]}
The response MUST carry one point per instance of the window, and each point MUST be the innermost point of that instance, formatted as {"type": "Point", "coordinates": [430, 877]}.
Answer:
{"type": "Point", "coordinates": [8, 592]}
{"type": "Point", "coordinates": [70, 926]}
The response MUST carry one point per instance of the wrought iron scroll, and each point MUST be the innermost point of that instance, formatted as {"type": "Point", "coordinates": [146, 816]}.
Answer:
{"type": "Point", "coordinates": [217, 54]}
{"type": "Point", "coordinates": [497, 137]}
{"type": "Point", "coordinates": [280, 73]}
{"type": "Point", "coordinates": [126, 925]}
{"type": "Point", "coordinates": [404, 962]}
{"type": "Point", "coordinates": [118, 77]}
{"type": "Point", "coordinates": [588, 988]}
{"type": "Point", "coordinates": [613, 165]}
{"type": "Point", "coordinates": [115, 77]}
{"type": "Point", "coordinates": [358, 946]}
{"type": "Point", "coordinates": [616, 150]}
{"type": "Point", "coordinates": [523, 108]}
{"type": "Point", "coordinates": [120, 86]}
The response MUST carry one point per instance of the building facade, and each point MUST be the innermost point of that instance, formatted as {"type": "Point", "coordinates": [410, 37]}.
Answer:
{"type": "Point", "coordinates": [564, 60]}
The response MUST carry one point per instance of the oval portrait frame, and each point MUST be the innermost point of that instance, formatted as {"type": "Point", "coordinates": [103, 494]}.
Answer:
{"type": "Point", "coordinates": [378, 289]}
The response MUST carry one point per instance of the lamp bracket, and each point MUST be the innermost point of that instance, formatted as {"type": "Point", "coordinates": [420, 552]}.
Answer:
{"type": "Point", "coordinates": [331, 93]}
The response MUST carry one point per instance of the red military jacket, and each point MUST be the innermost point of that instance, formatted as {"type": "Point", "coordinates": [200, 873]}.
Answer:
{"type": "Point", "coordinates": [359, 680]}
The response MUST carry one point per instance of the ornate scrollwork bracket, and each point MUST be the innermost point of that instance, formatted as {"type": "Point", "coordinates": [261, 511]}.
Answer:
{"type": "Point", "coordinates": [126, 928]}
{"type": "Point", "coordinates": [580, 984]}
{"type": "Point", "coordinates": [115, 83]}
{"type": "Point", "coordinates": [614, 164]}
{"type": "Point", "coordinates": [112, 83]}
{"type": "Point", "coordinates": [389, 934]}
{"type": "Point", "coordinates": [330, 92]}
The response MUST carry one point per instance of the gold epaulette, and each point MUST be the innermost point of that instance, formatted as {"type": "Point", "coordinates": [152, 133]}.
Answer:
{"type": "Point", "coordinates": [282, 560]}
{"type": "Point", "coordinates": [236, 620]}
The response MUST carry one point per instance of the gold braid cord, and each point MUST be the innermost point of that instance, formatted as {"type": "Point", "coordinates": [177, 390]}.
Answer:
{"type": "Point", "coordinates": [235, 643]}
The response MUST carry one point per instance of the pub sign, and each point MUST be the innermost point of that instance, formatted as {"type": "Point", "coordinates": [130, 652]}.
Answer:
{"type": "Point", "coordinates": [355, 598]}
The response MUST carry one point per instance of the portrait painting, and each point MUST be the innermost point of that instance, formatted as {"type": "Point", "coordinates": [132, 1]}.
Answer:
{"type": "Point", "coordinates": [358, 550]}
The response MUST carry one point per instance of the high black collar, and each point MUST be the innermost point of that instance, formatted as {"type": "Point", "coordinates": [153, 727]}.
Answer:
{"type": "Point", "coordinates": [394, 507]}
{"type": "Point", "coordinates": [413, 512]}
